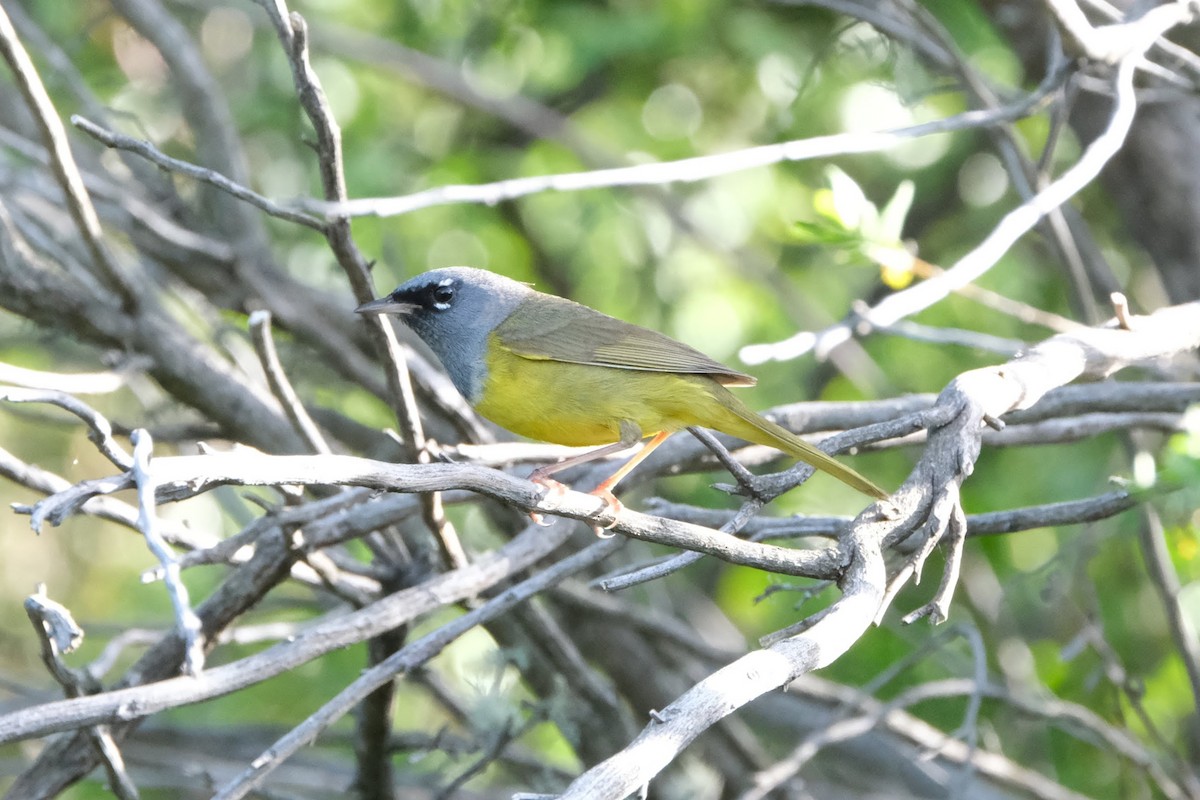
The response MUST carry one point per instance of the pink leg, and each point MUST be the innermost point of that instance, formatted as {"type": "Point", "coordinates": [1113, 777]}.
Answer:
{"type": "Point", "coordinates": [541, 476]}
{"type": "Point", "coordinates": [629, 435]}
{"type": "Point", "coordinates": [605, 488]}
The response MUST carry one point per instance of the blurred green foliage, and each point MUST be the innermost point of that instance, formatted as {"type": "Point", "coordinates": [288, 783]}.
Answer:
{"type": "Point", "coordinates": [765, 256]}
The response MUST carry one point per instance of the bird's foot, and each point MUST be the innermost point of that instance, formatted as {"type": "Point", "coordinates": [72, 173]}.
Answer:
{"type": "Point", "coordinates": [614, 507]}
{"type": "Point", "coordinates": [552, 488]}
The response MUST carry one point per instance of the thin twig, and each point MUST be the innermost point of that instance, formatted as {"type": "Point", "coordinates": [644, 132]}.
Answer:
{"type": "Point", "coordinates": [141, 215]}
{"type": "Point", "coordinates": [115, 647]}
{"type": "Point", "coordinates": [987, 253]}
{"type": "Point", "coordinates": [186, 621]}
{"type": "Point", "coordinates": [151, 153]}
{"type": "Point", "coordinates": [58, 634]}
{"type": "Point", "coordinates": [942, 335]}
{"type": "Point", "coordinates": [688, 170]}
{"type": "Point", "coordinates": [281, 387]}
{"type": "Point", "coordinates": [998, 302]}
{"type": "Point", "coordinates": [406, 659]}
{"type": "Point", "coordinates": [100, 431]}
{"type": "Point", "coordinates": [1132, 692]}
{"type": "Point", "coordinates": [969, 729]}
{"type": "Point", "coordinates": [1121, 310]}
{"type": "Point", "coordinates": [1166, 583]}
{"type": "Point", "coordinates": [54, 137]}
{"type": "Point", "coordinates": [501, 740]}
{"type": "Point", "coordinates": [293, 35]}
{"type": "Point", "coordinates": [75, 383]}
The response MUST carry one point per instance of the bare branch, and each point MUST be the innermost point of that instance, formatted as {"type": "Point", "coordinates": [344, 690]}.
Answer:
{"type": "Point", "coordinates": [408, 658]}
{"type": "Point", "coordinates": [984, 256]}
{"type": "Point", "coordinates": [186, 621]}
{"type": "Point", "coordinates": [75, 383]}
{"type": "Point", "coordinates": [264, 345]}
{"type": "Point", "coordinates": [58, 634]}
{"type": "Point", "coordinates": [63, 162]}
{"type": "Point", "coordinates": [135, 702]}
{"type": "Point", "coordinates": [99, 429]}
{"type": "Point", "coordinates": [152, 154]}
{"type": "Point", "coordinates": [185, 476]}
{"type": "Point", "coordinates": [687, 170]}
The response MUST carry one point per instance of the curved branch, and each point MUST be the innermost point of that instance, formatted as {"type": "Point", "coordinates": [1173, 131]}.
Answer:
{"type": "Point", "coordinates": [733, 686]}
{"type": "Point", "coordinates": [954, 441]}
{"type": "Point", "coordinates": [185, 476]}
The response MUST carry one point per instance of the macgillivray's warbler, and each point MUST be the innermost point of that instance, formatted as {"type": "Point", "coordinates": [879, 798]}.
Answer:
{"type": "Point", "coordinates": [551, 369]}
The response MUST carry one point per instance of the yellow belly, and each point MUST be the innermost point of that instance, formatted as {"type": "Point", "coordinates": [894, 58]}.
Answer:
{"type": "Point", "coordinates": [578, 404]}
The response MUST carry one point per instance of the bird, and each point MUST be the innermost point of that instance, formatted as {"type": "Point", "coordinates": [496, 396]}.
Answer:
{"type": "Point", "coordinates": [551, 369]}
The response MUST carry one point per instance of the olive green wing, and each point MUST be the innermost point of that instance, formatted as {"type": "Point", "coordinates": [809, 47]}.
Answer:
{"type": "Point", "coordinates": [554, 328]}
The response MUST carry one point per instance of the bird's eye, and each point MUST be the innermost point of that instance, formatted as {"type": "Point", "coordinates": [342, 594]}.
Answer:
{"type": "Point", "coordinates": [442, 295]}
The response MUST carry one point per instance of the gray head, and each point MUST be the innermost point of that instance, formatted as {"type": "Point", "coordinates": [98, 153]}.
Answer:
{"type": "Point", "coordinates": [453, 310]}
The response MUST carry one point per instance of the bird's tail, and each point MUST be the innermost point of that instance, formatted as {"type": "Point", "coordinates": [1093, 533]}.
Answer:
{"type": "Point", "coordinates": [746, 424]}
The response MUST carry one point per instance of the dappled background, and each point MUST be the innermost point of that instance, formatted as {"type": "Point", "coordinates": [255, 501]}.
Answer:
{"type": "Point", "coordinates": [431, 94]}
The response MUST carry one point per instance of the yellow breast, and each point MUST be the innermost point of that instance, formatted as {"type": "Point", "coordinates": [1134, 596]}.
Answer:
{"type": "Point", "coordinates": [581, 404]}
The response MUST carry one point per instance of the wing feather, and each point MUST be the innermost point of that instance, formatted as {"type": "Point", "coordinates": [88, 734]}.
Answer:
{"type": "Point", "coordinates": [554, 328]}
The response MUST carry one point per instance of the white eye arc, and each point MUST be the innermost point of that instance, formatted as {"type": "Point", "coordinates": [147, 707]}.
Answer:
{"type": "Point", "coordinates": [443, 295]}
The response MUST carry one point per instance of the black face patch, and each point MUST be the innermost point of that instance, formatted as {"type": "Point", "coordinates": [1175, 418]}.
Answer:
{"type": "Point", "coordinates": [431, 297]}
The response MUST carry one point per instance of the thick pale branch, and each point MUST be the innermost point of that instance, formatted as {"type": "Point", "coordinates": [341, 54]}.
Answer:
{"type": "Point", "coordinates": [733, 686]}
{"type": "Point", "coordinates": [952, 428]}
{"type": "Point", "coordinates": [987, 254]}
{"type": "Point", "coordinates": [956, 423]}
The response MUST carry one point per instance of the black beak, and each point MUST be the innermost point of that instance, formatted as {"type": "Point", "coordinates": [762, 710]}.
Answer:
{"type": "Point", "coordinates": [386, 305]}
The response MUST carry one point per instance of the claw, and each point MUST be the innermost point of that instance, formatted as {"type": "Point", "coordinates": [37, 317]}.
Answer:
{"type": "Point", "coordinates": [615, 506]}
{"type": "Point", "coordinates": [552, 488]}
